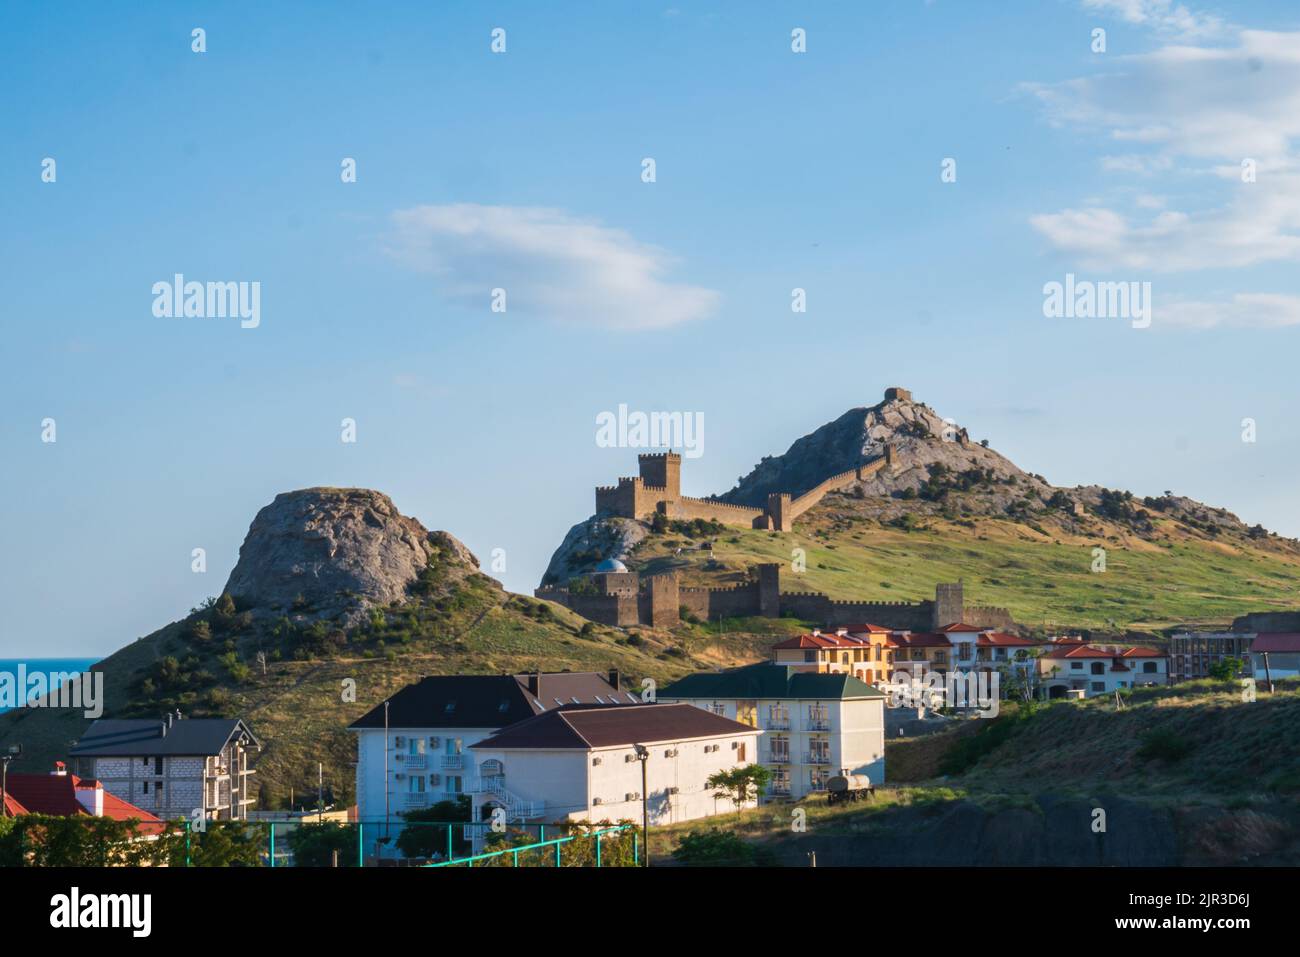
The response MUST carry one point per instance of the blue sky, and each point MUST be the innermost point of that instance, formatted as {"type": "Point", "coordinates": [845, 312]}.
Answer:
{"type": "Point", "coordinates": [774, 170]}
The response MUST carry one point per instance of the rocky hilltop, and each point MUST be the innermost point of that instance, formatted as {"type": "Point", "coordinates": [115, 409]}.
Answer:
{"type": "Point", "coordinates": [331, 553]}
{"type": "Point", "coordinates": [920, 438]}
{"type": "Point", "coordinates": [333, 588]}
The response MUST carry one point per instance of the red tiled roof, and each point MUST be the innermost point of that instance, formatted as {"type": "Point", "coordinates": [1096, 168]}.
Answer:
{"type": "Point", "coordinates": [1276, 641]}
{"type": "Point", "coordinates": [1000, 640]}
{"type": "Point", "coordinates": [1142, 653]}
{"type": "Point", "coordinates": [923, 639]}
{"type": "Point", "coordinates": [821, 641]}
{"type": "Point", "coordinates": [866, 629]}
{"type": "Point", "coordinates": [12, 807]}
{"type": "Point", "coordinates": [1078, 651]}
{"type": "Point", "coordinates": [56, 794]}
{"type": "Point", "coordinates": [959, 626]}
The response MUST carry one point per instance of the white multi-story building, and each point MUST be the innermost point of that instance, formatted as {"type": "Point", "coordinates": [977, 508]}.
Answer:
{"type": "Point", "coordinates": [814, 724]}
{"type": "Point", "coordinates": [412, 750]}
{"type": "Point", "coordinates": [173, 767]}
{"type": "Point", "coordinates": [1097, 670]}
{"type": "Point", "coordinates": [585, 764]}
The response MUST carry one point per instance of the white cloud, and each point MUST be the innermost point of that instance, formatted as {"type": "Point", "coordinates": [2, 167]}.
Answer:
{"type": "Point", "coordinates": [550, 263]}
{"type": "Point", "coordinates": [1164, 16]}
{"type": "Point", "coordinates": [1199, 110]}
{"type": "Point", "coordinates": [1245, 310]}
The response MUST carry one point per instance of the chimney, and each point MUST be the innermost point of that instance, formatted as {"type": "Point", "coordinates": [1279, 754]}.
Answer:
{"type": "Point", "coordinates": [613, 678]}
{"type": "Point", "coordinates": [162, 727]}
{"type": "Point", "coordinates": [168, 716]}
{"type": "Point", "coordinates": [535, 684]}
{"type": "Point", "coordinates": [91, 797]}
{"type": "Point", "coordinates": [60, 770]}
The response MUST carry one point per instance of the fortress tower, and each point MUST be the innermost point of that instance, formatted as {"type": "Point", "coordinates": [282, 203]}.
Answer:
{"type": "Point", "coordinates": [949, 605]}
{"type": "Point", "coordinates": [662, 470]}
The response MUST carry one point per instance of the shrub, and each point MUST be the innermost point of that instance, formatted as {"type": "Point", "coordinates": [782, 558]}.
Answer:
{"type": "Point", "coordinates": [714, 848]}
{"type": "Point", "coordinates": [1163, 745]}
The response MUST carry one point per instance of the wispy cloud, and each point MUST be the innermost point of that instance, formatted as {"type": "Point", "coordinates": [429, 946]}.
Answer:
{"type": "Point", "coordinates": [1164, 16]}
{"type": "Point", "coordinates": [1213, 97]}
{"type": "Point", "coordinates": [1255, 310]}
{"type": "Point", "coordinates": [552, 265]}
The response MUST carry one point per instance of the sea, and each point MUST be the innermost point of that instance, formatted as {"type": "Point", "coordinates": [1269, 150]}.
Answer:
{"type": "Point", "coordinates": [45, 665]}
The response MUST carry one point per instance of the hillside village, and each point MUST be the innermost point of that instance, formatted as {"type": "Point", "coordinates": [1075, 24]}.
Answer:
{"type": "Point", "coordinates": [639, 690]}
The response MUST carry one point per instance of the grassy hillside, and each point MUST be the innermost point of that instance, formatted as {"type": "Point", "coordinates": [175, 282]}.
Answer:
{"type": "Point", "coordinates": [1190, 774]}
{"type": "Point", "coordinates": [1040, 567]}
{"type": "Point", "coordinates": [208, 664]}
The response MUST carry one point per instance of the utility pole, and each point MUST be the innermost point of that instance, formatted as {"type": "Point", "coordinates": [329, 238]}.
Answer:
{"type": "Point", "coordinates": [643, 755]}
{"type": "Point", "coordinates": [320, 791]}
{"type": "Point", "coordinates": [15, 751]}
{"type": "Point", "coordinates": [1268, 674]}
{"type": "Point", "coordinates": [385, 774]}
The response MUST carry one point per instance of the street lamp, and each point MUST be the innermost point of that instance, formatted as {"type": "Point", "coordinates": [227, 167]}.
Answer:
{"type": "Point", "coordinates": [14, 752]}
{"type": "Point", "coordinates": [643, 755]}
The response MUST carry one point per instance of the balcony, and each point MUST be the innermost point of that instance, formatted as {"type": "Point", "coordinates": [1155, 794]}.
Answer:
{"type": "Point", "coordinates": [777, 724]}
{"type": "Point", "coordinates": [413, 761]}
{"type": "Point", "coordinates": [818, 724]}
{"type": "Point", "coordinates": [453, 762]}
{"type": "Point", "coordinates": [415, 798]}
{"type": "Point", "coordinates": [817, 757]}
{"type": "Point", "coordinates": [779, 790]}
{"type": "Point", "coordinates": [778, 757]}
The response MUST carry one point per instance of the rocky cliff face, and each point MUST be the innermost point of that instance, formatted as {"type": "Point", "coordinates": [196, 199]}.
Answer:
{"type": "Point", "coordinates": [589, 543]}
{"type": "Point", "coordinates": [920, 436]}
{"type": "Point", "coordinates": [333, 553]}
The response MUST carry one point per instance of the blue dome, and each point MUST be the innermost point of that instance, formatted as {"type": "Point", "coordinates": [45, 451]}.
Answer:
{"type": "Point", "coordinates": [611, 565]}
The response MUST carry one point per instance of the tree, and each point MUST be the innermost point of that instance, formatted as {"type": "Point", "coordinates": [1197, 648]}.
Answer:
{"type": "Point", "coordinates": [741, 785]}
{"type": "Point", "coordinates": [1227, 669]}
{"type": "Point", "coordinates": [313, 845]}
{"type": "Point", "coordinates": [421, 837]}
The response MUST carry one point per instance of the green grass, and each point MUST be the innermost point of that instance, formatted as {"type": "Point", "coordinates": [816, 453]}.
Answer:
{"type": "Point", "coordinates": [1042, 580]}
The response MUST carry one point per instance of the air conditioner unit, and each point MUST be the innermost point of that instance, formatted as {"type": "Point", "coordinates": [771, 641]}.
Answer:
{"type": "Point", "coordinates": [670, 753]}
{"type": "Point", "coordinates": [399, 776]}
{"type": "Point", "coordinates": [673, 790]}
{"type": "Point", "coordinates": [595, 761]}
{"type": "Point", "coordinates": [435, 778]}
{"type": "Point", "coordinates": [434, 742]}
{"type": "Point", "coordinates": [397, 757]}
{"type": "Point", "coordinates": [632, 796]}
{"type": "Point", "coordinates": [735, 745]}
{"type": "Point", "coordinates": [397, 742]}
{"type": "Point", "coordinates": [596, 801]}
{"type": "Point", "coordinates": [629, 758]}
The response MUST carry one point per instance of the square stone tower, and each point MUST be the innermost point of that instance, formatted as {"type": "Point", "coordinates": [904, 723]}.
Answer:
{"type": "Point", "coordinates": [949, 605]}
{"type": "Point", "coordinates": [664, 470]}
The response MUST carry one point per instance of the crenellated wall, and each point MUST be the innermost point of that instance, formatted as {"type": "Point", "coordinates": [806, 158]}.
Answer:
{"type": "Point", "coordinates": [659, 601]}
{"type": "Point", "coordinates": [658, 488]}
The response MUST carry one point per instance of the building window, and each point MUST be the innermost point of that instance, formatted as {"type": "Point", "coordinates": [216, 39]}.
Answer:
{"type": "Point", "coordinates": [810, 656]}
{"type": "Point", "coordinates": [1099, 686]}
{"type": "Point", "coordinates": [1098, 668]}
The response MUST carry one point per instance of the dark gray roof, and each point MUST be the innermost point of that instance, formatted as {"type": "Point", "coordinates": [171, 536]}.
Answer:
{"type": "Point", "coordinates": [490, 701]}
{"type": "Point", "coordinates": [146, 737]}
{"type": "Point", "coordinates": [595, 727]}
{"type": "Point", "coordinates": [769, 681]}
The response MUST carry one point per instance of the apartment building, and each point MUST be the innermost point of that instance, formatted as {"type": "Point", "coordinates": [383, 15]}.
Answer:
{"type": "Point", "coordinates": [584, 763]}
{"type": "Point", "coordinates": [1193, 653]}
{"type": "Point", "coordinates": [413, 749]}
{"type": "Point", "coordinates": [814, 723]}
{"type": "Point", "coordinates": [173, 767]}
{"type": "Point", "coordinates": [1096, 670]}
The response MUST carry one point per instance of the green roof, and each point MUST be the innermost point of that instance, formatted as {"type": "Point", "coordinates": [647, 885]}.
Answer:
{"type": "Point", "coordinates": [769, 681]}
